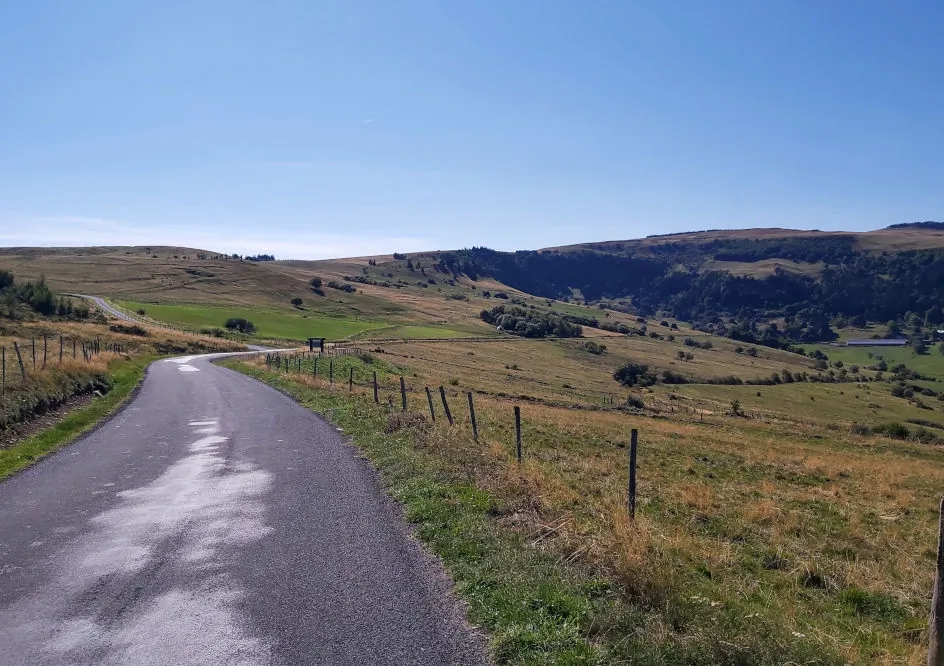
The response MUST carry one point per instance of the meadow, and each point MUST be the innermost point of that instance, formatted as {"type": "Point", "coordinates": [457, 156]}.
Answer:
{"type": "Point", "coordinates": [270, 324]}
{"type": "Point", "coordinates": [787, 537]}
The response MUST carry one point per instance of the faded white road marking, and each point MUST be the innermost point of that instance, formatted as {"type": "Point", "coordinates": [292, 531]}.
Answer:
{"type": "Point", "coordinates": [203, 506]}
{"type": "Point", "coordinates": [188, 368]}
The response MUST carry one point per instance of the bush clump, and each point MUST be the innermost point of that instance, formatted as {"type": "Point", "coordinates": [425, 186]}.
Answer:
{"type": "Point", "coordinates": [593, 347]}
{"type": "Point", "coordinates": [133, 329]}
{"type": "Point", "coordinates": [531, 323]}
{"type": "Point", "coordinates": [635, 374]}
{"type": "Point", "coordinates": [240, 325]}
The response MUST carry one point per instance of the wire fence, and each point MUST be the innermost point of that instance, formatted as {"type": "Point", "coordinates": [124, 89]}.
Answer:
{"type": "Point", "coordinates": [23, 360]}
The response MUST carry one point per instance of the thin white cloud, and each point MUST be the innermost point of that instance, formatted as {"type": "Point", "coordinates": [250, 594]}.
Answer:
{"type": "Point", "coordinates": [368, 121]}
{"type": "Point", "coordinates": [71, 231]}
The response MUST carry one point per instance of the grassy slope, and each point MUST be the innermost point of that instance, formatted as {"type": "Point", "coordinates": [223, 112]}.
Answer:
{"type": "Point", "coordinates": [755, 544]}
{"type": "Point", "coordinates": [125, 376]}
{"type": "Point", "coordinates": [286, 325]}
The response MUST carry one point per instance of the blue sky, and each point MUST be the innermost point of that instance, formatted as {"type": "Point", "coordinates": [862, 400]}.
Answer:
{"type": "Point", "coordinates": [316, 129]}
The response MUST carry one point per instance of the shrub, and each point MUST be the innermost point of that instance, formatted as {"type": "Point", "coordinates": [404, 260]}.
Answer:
{"type": "Point", "coordinates": [214, 331]}
{"type": "Point", "coordinates": [859, 429]}
{"type": "Point", "coordinates": [893, 429]}
{"type": "Point", "coordinates": [635, 401]}
{"type": "Point", "coordinates": [635, 374]}
{"type": "Point", "coordinates": [134, 329]}
{"type": "Point", "coordinates": [297, 302]}
{"type": "Point", "coordinates": [670, 377]}
{"type": "Point", "coordinates": [141, 311]}
{"type": "Point", "coordinates": [347, 288]}
{"type": "Point", "coordinates": [241, 325]}
{"type": "Point", "coordinates": [531, 323]}
{"type": "Point", "coordinates": [593, 347]}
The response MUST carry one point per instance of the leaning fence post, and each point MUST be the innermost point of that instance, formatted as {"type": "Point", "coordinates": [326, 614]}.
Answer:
{"type": "Point", "coordinates": [331, 371]}
{"type": "Point", "coordinates": [350, 381]}
{"type": "Point", "coordinates": [442, 394]}
{"type": "Point", "coordinates": [935, 647]}
{"type": "Point", "coordinates": [19, 358]}
{"type": "Point", "coordinates": [518, 431]}
{"type": "Point", "coordinates": [376, 398]}
{"type": "Point", "coordinates": [475, 427]}
{"type": "Point", "coordinates": [403, 393]}
{"type": "Point", "coordinates": [429, 399]}
{"type": "Point", "coordinates": [631, 496]}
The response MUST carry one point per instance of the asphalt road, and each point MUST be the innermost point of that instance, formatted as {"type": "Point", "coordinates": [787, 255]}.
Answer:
{"type": "Point", "coordinates": [214, 521]}
{"type": "Point", "coordinates": [113, 311]}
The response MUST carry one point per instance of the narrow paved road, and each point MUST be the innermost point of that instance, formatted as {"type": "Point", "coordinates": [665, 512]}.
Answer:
{"type": "Point", "coordinates": [214, 521]}
{"type": "Point", "coordinates": [102, 304]}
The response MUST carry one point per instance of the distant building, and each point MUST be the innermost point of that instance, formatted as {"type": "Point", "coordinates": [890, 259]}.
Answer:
{"type": "Point", "coordinates": [878, 342]}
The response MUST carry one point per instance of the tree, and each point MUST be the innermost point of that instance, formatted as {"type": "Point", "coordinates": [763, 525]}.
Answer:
{"type": "Point", "coordinates": [241, 325]}
{"type": "Point", "coordinates": [894, 330]}
{"type": "Point", "coordinates": [316, 283]}
{"type": "Point", "coordinates": [297, 302]}
{"type": "Point", "coordinates": [918, 346]}
{"type": "Point", "coordinates": [635, 374]}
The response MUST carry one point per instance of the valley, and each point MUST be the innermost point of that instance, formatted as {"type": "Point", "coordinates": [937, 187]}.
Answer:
{"type": "Point", "coordinates": [788, 484]}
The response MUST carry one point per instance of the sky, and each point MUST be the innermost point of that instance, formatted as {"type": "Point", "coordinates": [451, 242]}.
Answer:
{"type": "Point", "coordinates": [314, 129]}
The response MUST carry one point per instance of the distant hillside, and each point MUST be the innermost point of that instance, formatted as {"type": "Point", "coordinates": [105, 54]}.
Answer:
{"type": "Point", "coordinates": [771, 286]}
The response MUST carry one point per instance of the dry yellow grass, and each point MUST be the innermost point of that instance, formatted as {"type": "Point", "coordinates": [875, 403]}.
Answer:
{"type": "Point", "coordinates": [830, 533]}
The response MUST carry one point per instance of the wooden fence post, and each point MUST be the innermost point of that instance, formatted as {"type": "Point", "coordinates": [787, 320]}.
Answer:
{"type": "Point", "coordinates": [518, 431]}
{"type": "Point", "coordinates": [376, 397]}
{"type": "Point", "coordinates": [61, 342]}
{"type": "Point", "coordinates": [350, 381]}
{"type": "Point", "coordinates": [33, 343]}
{"type": "Point", "coordinates": [403, 393]}
{"type": "Point", "coordinates": [631, 497]}
{"type": "Point", "coordinates": [429, 398]}
{"type": "Point", "coordinates": [935, 646]}
{"type": "Point", "coordinates": [45, 349]}
{"type": "Point", "coordinates": [331, 371]}
{"type": "Point", "coordinates": [475, 427]}
{"type": "Point", "coordinates": [19, 358]}
{"type": "Point", "coordinates": [73, 348]}
{"type": "Point", "coordinates": [442, 394]}
{"type": "Point", "coordinates": [3, 370]}
{"type": "Point", "coordinates": [315, 371]}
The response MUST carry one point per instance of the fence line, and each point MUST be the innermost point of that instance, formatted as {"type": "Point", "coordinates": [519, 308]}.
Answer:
{"type": "Point", "coordinates": [89, 348]}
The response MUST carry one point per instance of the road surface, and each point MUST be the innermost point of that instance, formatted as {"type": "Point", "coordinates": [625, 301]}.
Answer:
{"type": "Point", "coordinates": [214, 521]}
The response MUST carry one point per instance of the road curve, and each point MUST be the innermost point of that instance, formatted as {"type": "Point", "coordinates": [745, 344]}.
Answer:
{"type": "Point", "coordinates": [102, 304]}
{"type": "Point", "coordinates": [214, 521]}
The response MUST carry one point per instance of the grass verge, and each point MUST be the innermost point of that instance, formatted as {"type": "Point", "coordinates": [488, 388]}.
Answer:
{"type": "Point", "coordinates": [124, 377]}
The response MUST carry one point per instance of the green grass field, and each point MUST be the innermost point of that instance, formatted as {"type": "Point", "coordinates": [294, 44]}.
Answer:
{"type": "Point", "coordinates": [930, 364]}
{"type": "Point", "coordinates": [269, 324]}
